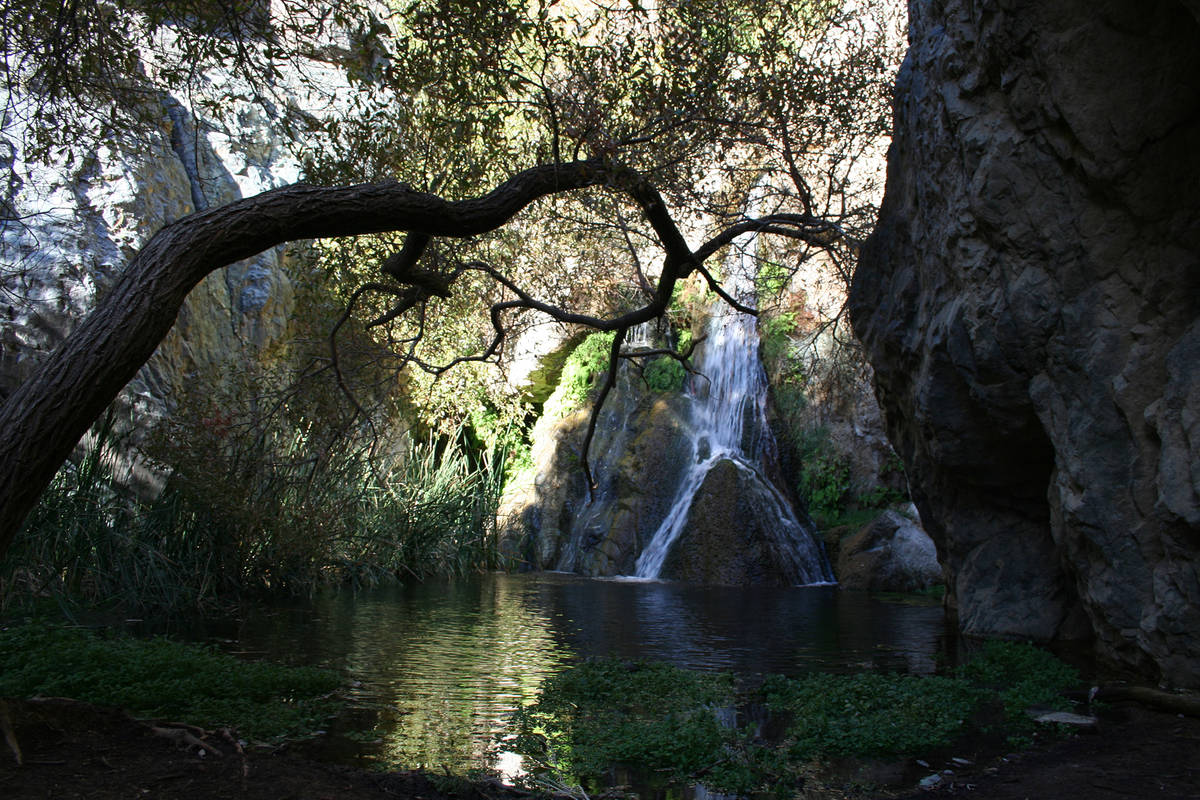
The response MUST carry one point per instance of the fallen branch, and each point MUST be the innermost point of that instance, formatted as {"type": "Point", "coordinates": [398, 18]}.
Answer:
{"type": "Point", "coordinates": [183, 735]}
{"type": "Point", "coordinates": [10, 736]}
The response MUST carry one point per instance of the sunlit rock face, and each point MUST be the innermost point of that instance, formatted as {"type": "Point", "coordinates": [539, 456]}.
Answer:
{"type": "Point", "coordinates": [550, 519]}
{"type": "Point", "coordinates": [1030, 304]}
{"type": "Point", "coordinates": [76, 223]}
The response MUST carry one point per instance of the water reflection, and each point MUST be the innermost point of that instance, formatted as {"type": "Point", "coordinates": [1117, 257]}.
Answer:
{"type": "Point", "coordinates": [438, 666]}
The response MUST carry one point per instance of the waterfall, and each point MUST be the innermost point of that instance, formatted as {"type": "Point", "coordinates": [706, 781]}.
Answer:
{"type": "Point", "coordinates": [729, 422]}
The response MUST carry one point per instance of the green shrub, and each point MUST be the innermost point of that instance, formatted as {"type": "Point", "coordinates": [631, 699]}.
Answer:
{"type": "Point", "coordinates": [777, 332]}
{"type": "Point", "coordinates": [664, 374]}
{"type": "Point", "coordinates": [290, 517]}
{"type": "Point", "coordinates": [587, 362]}
{"type": "Point", "coordinates": [772, 279]}
{"type": "Point", "coordinates": [165, 679]}
{"type": "Point", "coordinates": [599, 714]}
{"type": "Point", "coordinates": [824, 478]}
{"type": "Point", "coordinates": [1019, 676]}
{"type": "Point", "coordinates": [660, 720]}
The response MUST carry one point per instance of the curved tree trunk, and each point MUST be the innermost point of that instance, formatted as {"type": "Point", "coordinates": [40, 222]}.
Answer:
{"type": "Point", "coordinates": [47, 415]}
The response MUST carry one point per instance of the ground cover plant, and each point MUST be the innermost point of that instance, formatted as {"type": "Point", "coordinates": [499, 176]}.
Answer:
{"type": "Point", "coordinates": [668, 726]}
{"type": "Point", "coordinates": [164, 679]}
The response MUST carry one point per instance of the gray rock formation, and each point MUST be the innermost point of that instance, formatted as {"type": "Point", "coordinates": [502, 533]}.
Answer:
{"type": "Point", "coordinates": [74, 224]}
{"type": "Point", "coordinates": [732, 536]}
{"type": "Point", "coordinates": [549, 519]}
{"type": "Point", "coordinates": [1029, 302]}
{"type": "Point", "coordinates": [890, 554]}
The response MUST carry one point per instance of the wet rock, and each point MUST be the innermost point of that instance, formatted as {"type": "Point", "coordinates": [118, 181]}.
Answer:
{"type": "Point", "coordinates": [891, 554]}
{"type": "Point", "coordinates": [1064, 718]}
{"type": "Point", "coordinates": [1030, 303]}
{"type": "Point", "coordinates": [730, 537]}
{"type": "Point", "coordinates": [931, 782]}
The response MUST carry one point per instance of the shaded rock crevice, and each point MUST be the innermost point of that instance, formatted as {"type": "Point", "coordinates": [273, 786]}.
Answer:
{"type": "Point", "coordinates": [1029, 304]}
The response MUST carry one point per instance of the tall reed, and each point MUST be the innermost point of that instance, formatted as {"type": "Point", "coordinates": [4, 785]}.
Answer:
{"type": "Point", "coordinates": [282, 510]}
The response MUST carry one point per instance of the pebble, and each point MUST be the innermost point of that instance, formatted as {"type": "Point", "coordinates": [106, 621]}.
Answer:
{"type": "Point", "coordinates": [931, 782]}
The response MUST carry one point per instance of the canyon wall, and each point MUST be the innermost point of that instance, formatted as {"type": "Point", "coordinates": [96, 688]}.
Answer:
{"type": "Point", "coordinates": [72, 223]}
{"type": "Point", "coordinates": [1030, 302]}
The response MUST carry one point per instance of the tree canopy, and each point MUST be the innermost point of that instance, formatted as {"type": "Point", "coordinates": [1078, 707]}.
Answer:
{"type": "Point", "coordinates": [485, 156]}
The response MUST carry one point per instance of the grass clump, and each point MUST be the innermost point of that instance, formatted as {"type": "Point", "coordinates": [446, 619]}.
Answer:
{"type": "Point", "coordinates": [165, 679]}
{"type": "Point", "coordinates": [664, 374]}
{"type": "Point", "coordinates": [1014, 677]}
{"type": "Point", "coordinates": [587, 362]}
{"type": "Point", "coordinates": [289, 516]}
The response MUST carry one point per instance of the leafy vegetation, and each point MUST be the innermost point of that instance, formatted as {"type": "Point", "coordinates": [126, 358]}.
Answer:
{"type": "Point", "coordinates": [1020, 677]}
{"type": "Point", "coordinates": [252, 508]}
{"type": "Point", "coordinates": [825, 486]}
{"type": "Point", "coordinates": [679, 726]}
{"type": "Point", "coordinates": [664, 374]}
{"type": "Point", "coordinates": [160, 678]}
{"type": "Point", "coordinates": [601, 714]}
{"type": "Point", "coordinates": [583, 368]}
{"type": "Point", "coordinates": [869, 714]}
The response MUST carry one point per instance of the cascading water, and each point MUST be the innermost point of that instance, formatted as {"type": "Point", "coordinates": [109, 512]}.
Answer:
{"type": "Point", "coordinates": [729, 423]}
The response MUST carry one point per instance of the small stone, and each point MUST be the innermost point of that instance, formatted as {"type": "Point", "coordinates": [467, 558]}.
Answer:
{"type": "Point", "coordinates": [962, 762]}
{"type": "Point", "coordinates": [931, 782]}
{"type": "Point", "coordinates": [1065, 718]}
{"type": "Point", "coordinates": [922, 763]}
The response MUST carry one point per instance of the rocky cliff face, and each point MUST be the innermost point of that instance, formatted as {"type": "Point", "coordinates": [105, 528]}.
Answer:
{"type": "Point", "coordinates": [1031, 306]}
{"type": "Point", "coordinates": [71, 227]}
{"type": "Point", "coordinates": [549, 519]}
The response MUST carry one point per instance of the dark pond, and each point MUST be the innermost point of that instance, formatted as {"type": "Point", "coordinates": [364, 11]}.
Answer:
{"type": "Point", "coordinates": [437, 666]}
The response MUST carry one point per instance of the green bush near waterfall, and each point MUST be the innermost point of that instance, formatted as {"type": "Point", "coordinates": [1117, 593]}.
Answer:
{"type": "Point", "coordinates": [587, 362]}
{"type": "Point", "coordinates": [664, 374]}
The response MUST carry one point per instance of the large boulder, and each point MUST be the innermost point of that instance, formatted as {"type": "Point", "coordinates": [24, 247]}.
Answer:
{"type": "Point", "coordinates": [890, 554]}
{"type": "Point", "coordinates": [734, 534]}
{"type": "Point", "coordinates": [1029, 302]}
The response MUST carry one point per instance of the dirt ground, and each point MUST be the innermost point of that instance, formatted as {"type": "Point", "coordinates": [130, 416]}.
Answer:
{"type": "Point", "coordinates": [73, 750]}
{"type": "Point", "coordinates": [1137, 752]}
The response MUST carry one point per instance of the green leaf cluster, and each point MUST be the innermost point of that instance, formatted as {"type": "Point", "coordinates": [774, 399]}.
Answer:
{"type": "Point", "coordinates": [586, 365]}
{"type": "Point", "coordinates": [824, 477]}
{"type": "Point", "coordinates": [664, 374]}
{"type": "Point", "coordinates": [1021, 676]}
{"type": "Point", "coordinates": [165, 679]}
{"type": "Point", "coordinates": [869, 714]}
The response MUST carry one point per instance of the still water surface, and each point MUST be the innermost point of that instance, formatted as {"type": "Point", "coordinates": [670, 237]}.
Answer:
{"type": "Point", "coordinates": [438, 666]}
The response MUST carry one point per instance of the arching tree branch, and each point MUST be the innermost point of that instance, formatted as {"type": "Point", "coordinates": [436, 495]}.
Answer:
{"type": "Point", "coordinates": [43, 419]}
